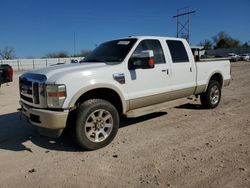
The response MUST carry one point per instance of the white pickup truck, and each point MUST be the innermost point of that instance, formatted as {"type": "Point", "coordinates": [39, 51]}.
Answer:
{"type": "Point", "coordinates": [117, 77]}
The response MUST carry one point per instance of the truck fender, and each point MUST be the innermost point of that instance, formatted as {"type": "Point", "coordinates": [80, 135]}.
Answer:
{"type": "Point", "coordinates": [100, 86]}
{"type": "Point", "coordinates": [219, 73]}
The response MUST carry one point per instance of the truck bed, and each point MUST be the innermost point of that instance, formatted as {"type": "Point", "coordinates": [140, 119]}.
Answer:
{"type": "Point", "coordinates": [209, 67]}
{"type": "Point", "coordinates": [212, 59]}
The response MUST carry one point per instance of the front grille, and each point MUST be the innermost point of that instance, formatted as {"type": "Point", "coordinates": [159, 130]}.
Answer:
{"type": "Point", "coordinates": [31, 89]}
{"type": "Point", "coordinates": [25, 87]}
{"type": "Point", "coordinates": [36, 92]}
{"type": "Point", "coordinates": [27, 98]}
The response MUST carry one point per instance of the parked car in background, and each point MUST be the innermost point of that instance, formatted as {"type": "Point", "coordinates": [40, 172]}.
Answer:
{"type": "Point", "coordinates": [74, 61]}
{"type": "Point", "coordinates": [233, 57]}
{"type": "Point", "coordinates": [6, 74]}
{"type": "Point", "coordinates": [245, 57]}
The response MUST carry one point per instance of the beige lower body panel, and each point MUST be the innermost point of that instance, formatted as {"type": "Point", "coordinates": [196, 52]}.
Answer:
{"type": "Point", "coordinates": [226, 82]}
{"type": "Point", "coordinates": [200, 89]}
{"type": "Point", "coordinates": [159, 98]}
{"type": "Point", "coordinates": [165, 97]}
{"type": "Point", "coordinates": [45, 118]}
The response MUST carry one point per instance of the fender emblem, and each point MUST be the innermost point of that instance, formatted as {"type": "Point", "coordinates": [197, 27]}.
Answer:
{"type": "Point", "coordinates": [119, 77]}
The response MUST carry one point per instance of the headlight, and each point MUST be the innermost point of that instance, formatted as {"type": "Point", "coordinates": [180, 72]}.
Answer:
{"type": "Point", "coordinates": [56, 95]}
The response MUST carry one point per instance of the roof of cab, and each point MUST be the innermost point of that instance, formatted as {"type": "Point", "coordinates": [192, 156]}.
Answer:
{"type": "Point", "coordinates": [156, 37]}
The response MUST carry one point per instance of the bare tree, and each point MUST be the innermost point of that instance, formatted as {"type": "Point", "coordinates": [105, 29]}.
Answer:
{"type": "Point", "coordinates": [60, 54]}
{"type": "Point", "coordinates": [83, 53]}
{"type": "Point", "coordinates": [207, 44]}
{"type": "Point", "coordinates": [7, 53]}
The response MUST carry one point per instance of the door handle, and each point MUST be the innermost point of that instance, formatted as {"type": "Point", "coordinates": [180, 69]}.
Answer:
{"type": "Point", "coordinates": [190, 69]}
{"type": "Point", "coordinates": [165, 70]}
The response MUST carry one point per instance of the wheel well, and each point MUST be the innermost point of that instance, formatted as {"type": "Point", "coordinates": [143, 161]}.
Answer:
{"type": "Point", "coordinates": [217, 77]}
{"type": "Point", "coordinates": [103, 93]}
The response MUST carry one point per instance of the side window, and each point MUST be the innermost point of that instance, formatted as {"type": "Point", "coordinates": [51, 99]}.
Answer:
{"type": "Point", "coordinates": [154, 45]}
{"type": "Point", "coordinates": [177, 51]}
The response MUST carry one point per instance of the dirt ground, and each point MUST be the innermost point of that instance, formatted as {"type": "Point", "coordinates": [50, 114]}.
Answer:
{"type": "Point", "coordinates": [182, 146]}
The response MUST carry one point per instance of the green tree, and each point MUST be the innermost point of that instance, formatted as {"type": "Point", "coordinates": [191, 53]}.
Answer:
{"type": "Point", "coordinates": [223, 40]}
{"type": "Point", "coordinates": [246, 45]}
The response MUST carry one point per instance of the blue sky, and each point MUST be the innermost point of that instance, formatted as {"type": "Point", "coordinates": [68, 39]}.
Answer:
{"type": "Point", "coordinates": [37, 27]}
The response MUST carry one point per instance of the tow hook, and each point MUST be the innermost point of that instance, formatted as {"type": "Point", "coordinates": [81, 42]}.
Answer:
{"type": "Point", "coordinates": [20, 110]}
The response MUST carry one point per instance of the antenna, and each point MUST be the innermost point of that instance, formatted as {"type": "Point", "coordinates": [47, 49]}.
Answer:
{"type": "Point", "coordinates": [182, 26]}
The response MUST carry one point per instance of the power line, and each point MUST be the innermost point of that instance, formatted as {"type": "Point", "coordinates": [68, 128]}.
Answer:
{"type": "Point", "coordinates": [182, 25]}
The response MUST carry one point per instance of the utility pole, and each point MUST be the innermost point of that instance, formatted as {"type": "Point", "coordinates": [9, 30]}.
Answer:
{"type": "Point", "coordinates": [182, 20]}
{"type": "Point", "coordinates": [74, 44]}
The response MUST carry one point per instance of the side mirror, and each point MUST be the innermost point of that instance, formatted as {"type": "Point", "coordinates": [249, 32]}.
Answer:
{"type": "Point", "coordinates": [144, 60]}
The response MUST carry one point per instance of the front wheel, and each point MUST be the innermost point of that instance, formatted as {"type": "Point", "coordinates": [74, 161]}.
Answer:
{"type": "Point", "coordinates": [97, 123]}
{"type": "Point", "coordinates": [211, 98]}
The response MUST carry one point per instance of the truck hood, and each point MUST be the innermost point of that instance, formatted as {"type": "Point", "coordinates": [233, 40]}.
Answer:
{"type": "Point", "coordinates": [57, 71]}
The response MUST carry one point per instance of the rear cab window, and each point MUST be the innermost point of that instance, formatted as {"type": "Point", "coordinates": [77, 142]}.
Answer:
{"type": "Point", "coordinates": [177, 51]}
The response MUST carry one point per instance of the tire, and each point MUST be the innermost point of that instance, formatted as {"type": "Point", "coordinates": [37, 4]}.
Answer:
{"type": "Point", "coordinates": [97, 123]}
{"type": "Point", "coordinates": [211, 98]}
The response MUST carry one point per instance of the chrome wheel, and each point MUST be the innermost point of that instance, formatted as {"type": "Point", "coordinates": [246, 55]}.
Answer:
{"type": "Point", "coordinates": [214, 95]}
{"type": "Point", "coordinates": [99, 125]}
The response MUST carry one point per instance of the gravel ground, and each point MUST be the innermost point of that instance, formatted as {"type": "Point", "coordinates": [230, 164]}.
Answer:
{"type": "Point", "coordinates": [182, 146]}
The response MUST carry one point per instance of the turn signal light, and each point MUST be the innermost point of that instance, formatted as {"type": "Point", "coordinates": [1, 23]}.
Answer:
{"type": "Point", "coordinates": [57, 94]}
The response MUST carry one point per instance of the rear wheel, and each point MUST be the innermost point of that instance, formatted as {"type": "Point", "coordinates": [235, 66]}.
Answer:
{"type": "Point", "coordinates": [211, 98]}
{"type": "Point", "coordinates": [97, 123]}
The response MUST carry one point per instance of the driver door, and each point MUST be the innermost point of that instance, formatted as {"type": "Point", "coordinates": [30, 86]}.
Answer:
{"type": "Point", "coordinates": [147, 86]}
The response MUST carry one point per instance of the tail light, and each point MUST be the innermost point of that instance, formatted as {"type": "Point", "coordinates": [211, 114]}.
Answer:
{"type": "Point", "coordinates": [10, 72]}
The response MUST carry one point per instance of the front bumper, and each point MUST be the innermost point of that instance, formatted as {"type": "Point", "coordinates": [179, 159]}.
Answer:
{"type": "Point", "coordinates": [45, 119]}
{"type": "Point", "coordinates": [227, 82]}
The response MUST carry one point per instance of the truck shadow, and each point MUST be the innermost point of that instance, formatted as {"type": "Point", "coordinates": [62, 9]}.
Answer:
{"type": "Point", "coordinates": [130, 121]}
{"type": "Point", "coordinates": [15, 135]}
{"type": "Point", "coordinates": [19, 135]}
{"type": "Point", "coordinates": [13, 132]}
{"type": "Point", "coordinates": [190, 106]}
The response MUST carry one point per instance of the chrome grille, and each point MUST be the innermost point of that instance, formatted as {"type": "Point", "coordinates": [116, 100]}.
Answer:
{"type": "Point", "coordinates": [26, 90]}
{"type": "Point", "coordinates": [31, 89]}
{"type": "Point", "coordinates": [36, 92]}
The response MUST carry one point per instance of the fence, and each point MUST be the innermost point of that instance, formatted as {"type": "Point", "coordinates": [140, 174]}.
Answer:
{"type": "Point", "coordinates": [30, 64]}
{"type": "Point", "coordinates": [225, 52]}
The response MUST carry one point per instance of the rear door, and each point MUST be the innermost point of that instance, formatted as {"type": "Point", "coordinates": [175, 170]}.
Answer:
{"type": "Point", "coordinates": [182, 69]}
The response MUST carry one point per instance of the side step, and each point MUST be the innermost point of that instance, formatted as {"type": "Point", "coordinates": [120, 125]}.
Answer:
{"type": "Point", "coordinates": [158, 107]}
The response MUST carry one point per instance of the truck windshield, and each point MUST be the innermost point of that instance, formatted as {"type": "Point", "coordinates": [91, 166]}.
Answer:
{"type": "Point", "coordinates": [111, 52]}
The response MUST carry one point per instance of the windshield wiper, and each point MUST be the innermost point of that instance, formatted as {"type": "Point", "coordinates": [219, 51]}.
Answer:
{"type": "Point", "coordinates": [114, 60]}
{"type": "Point", "coordinates": [94, 60]}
